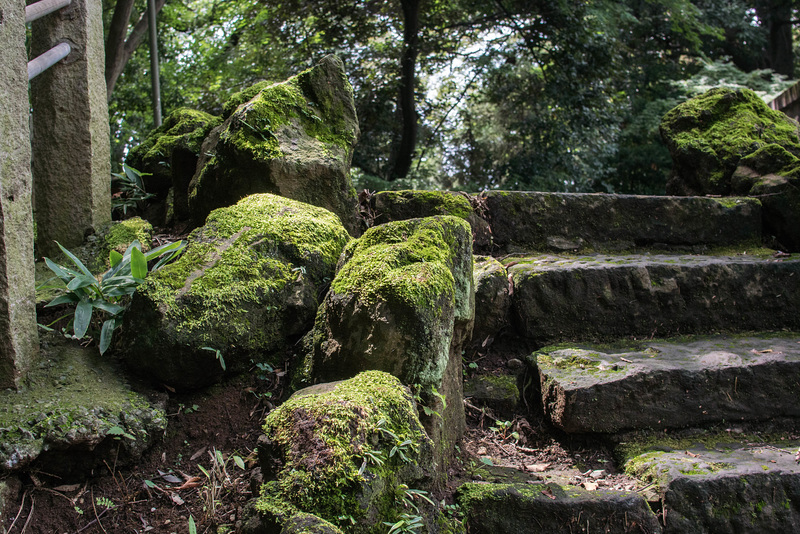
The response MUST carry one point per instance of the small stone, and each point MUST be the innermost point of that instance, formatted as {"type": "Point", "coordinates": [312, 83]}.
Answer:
{"type": "Point", "coordinates": [514, 364]}
{"type": "Point", "coordinates": [598, 473]}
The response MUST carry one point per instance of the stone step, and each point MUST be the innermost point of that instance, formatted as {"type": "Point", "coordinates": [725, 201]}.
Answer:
{"type": "Point", "coordinates": [669, 384]}
{"type": "Point", "coordinates": [601, 297]}
{"type": "Point", "coordinates": [723, 486]}
{"type": "Point", "coordinates": [526, 221]}
{"type": "Point", "coordinates": [552, 508]}
{"type": "Point", "coordinates": [519, 221]}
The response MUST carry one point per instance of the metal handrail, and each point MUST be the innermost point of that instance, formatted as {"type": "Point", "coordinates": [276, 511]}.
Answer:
{"type": "Point", "coordinates": [43, 7]}
{"type": "Point", "coordinates": [48, 59]}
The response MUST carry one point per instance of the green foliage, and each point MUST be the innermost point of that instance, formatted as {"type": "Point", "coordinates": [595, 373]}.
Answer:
{"type": "Point", "coordinates": [109, 293]}
{"type": "Point", "coordinates": [130, 193]}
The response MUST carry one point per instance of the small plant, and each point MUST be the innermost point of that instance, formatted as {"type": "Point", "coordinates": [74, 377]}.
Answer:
{"type": "Point", "coordinates": [107, 293]}
{"type": "Point", "coordinates": [118, 433]}
{"type": "Point", "coordinates": [130, 191]}
{"type": "Point", "coordinates": [504, 430]}
{"type": "Point", "coordinates": [105, 502]}
{"type": "Point", "coordinates": [219, 356]}
{"type": "Point", "coordinates": [218, 480]}
{"type": "Point", "coordinates": [78, 510]}
{"type": "Point", "coordinates": [411, 520]}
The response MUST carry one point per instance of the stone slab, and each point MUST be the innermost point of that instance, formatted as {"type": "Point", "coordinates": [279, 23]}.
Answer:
{"type": "Point", "coordinates": [725, 487]}
{"type": "Point", "coordinates": [670, 384]}
{"type": "Point", "coordinates": [527, 221]}
{"type": "Point", "coordinates": [552, 508]}
{"type": "Point", "coordinates": [76, 411]}
{"type": "Point", "coordinates": [601, 297]}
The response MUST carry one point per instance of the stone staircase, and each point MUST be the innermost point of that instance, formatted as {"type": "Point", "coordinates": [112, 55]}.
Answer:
{"type": "Point", "coordinates": [664, 330]}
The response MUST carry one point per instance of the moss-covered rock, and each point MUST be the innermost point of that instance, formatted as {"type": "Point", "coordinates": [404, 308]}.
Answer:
{"type": "Point", "coordinates": [708, 135]}
{"type": "Point", "coordinates": [402, 302]}
{"type": "Point", "coordinates": [169, 153]}
{"type": "Point", "coordinates": [344, 452]}
{"type": "Point", "coordinates": [492, 298]}
{"type": "Point", "coordinates": [293, 139]}
{"type": "Point", "coordinates": [248, 283]}
{"type": "Point", "coordinates": [74, 411]}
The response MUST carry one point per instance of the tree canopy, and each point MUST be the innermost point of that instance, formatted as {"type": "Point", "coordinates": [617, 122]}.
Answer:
{"type": "Point", "coordinates": [560, 95]}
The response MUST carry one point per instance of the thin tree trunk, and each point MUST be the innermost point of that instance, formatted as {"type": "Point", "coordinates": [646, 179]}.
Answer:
{"type": "Point", "coordinates": [777, 16]}
{"type": "Point", "coordinates": [119, 49]}
{"type": "Point", "coordinates": [407, 100]}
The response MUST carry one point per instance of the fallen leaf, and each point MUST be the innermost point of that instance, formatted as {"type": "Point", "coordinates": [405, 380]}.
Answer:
{"type": "Point", "coordinates": [537, 468]}
{"type": "Point", "coordinates": [191, 483]}
{"type": "Point", "coordinates": [626, 360]}
{"type": "Point", "coordinates": [547, 493]}
{"type": "Point", "coordinates": [172, 479]}
{"type": "Point", "coordinates": [176, 499]}
{"type": "Point", "coordinates": [693, 455]}
{"type": "Point", "coordinates": [590, 486]}
{"type": "Point", "coordinates": [67, 488]}
{"type": "Point", "coordinates": [198, 454]}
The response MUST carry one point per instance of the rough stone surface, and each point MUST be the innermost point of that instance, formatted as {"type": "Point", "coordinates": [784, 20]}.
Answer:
{"type": "Point", "coordinates": [601, 297]}
{"type": "Point", "coordinates": [293, 139]}
{"type": "Point", "coordinates": [170, 153]}
{"type": "Point", "coordinates": [20, 343]}
{"type": "Point", "coordinates": [492, 298]}
{"type": "Point", "coordinates": [403, 302]}
{"type": "Point", "coordinates": [669, 384]}
{"type": "Point", "coordinates": [248, 283]}
{"type": "Point", "coordinates": [551, 508]}
{"type": "Point", "coordinates": [71, 148]}
{"type": "Point", "coordinates": [72, 415]}
{"type": "Point", "coordinates": [725, 486]}
{"type": "Point", "coordinates": [387, 206]}
{"type": "Point", "coordinates": [328, 451]}
{"type": "Point", "coordinates": [500, 393]}
{"type": "Point", "coordinates": [708, 135]}
{"type": "Point", "coordinates": [569, 222]}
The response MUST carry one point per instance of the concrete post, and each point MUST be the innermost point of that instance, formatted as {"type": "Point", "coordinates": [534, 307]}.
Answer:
{"type": "Point", "coordinates": [19, 341]}
{"type": "Point", "coordinates": [71, 149]}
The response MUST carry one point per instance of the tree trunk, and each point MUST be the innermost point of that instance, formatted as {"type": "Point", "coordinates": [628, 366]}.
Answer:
{"type": "Point", "coordinates": [407, 100]}
{"type": "Point", "coordinates": [119, 49]}
{"type": "Point", "coordinates": [776, 15]}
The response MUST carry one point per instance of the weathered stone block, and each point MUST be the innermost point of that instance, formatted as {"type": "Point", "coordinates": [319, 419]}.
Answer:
{"type": "Point", "coordinates": [605, 297]}
{"type": "Point", "coordinates": [293, 139]}
{"type": "Point", "coordinates": [669, 384]}
{"type": "Point", "coordinates": [551, 508]}
{"type": "Point", "coordinates": [723, 486]}
{"type": "Point", "coordinates": [248, 283]}
{"type": "Point", "coordinates": [570, 222]}
{"type": "Point", "coordinates": [403, 302]}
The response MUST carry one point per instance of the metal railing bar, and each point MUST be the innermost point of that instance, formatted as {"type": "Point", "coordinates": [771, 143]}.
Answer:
{"type": "Point", "coordinates": [41, 63]}
{"type": "Point", "coordinates": [43, 7]}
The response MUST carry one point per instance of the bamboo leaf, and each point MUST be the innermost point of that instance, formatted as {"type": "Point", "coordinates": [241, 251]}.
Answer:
{"type": "Point", "coordinates": [83, 315]}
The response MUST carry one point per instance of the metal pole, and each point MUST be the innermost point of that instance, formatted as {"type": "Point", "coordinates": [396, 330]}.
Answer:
{"type": "Point", "coordinates": [42, 8]}
{"type": "Point", "coordinates": [48, 59]}
{"type": "Point", "coordinates": [154, 70]}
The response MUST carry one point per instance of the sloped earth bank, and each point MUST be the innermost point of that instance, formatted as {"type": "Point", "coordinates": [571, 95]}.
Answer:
{"type": "Point", "coordinates": [168, 486]}
{"type": "Point", "coordinates": [178, 480]}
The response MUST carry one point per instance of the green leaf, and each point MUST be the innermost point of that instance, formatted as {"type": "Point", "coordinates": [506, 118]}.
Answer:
{"type": "Point", "coordinates": [81, 281]}
{"type": "Point", "coordinates": [138, 264]}
{"type": "Point", "coordinates": [63, 299]}
{"type": "Point", "coordinates": [238, 461]}
{"type": "Point", "coordinates": [78, 263]}
{"type": "Point", "coordinates": [114, 258]}
{"type": "Point", "coordinates": [149, 483]}
{"type": "Point", "coordinates": [83, 316]}
{"type": "Point", "coordinates": [105, 334]}
{"type": "Point", "coordinates": [108, 307]}
{"type": "Point", "coordinates": [192, 526]}
{"type": "Point", "coordinates": [487, 461]}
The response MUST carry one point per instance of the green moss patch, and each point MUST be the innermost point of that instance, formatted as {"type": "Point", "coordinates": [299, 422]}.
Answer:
{"type": "Point", "coordinates": [343, 449]}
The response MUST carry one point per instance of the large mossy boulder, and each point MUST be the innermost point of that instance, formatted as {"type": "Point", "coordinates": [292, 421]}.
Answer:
{"type": "Point", "coordinates": [344, 452]}
{"type": "Point", "coordinates": [709, 135]}
{"type": "Point", "coordinates": [403, 302]}
{"type": "Point", "coordinates": [293, 139]}
{"type": "Point", "coordinates": [248, 283]}
{"type": "Point", "coordinates": [727, 142]}
{"type": "Point", "coordinates": [169, 155]}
